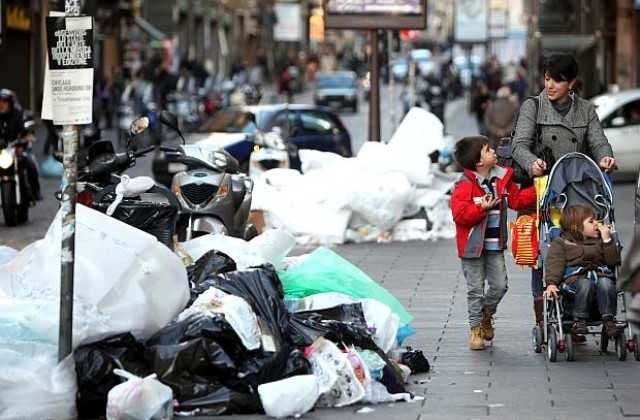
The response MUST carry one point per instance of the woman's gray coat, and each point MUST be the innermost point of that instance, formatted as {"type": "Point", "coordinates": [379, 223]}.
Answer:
{"type": "Point", "coordinates": [579, 131]}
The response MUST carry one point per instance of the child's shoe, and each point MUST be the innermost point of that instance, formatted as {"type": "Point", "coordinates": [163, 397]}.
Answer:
{"type": "Point", "coordinates": [487, 327]}
{"type": "Point", "coordinates": [610, 325]}
{"type": "Point", "coordinates": [580, 326]}
{"type": "Point", "coordinates": [476, 342]}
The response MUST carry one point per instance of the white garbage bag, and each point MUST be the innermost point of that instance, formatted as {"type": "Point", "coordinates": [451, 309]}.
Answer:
{"type": "Point", "coordinates": [290, 397]}
{"type": "Point", "coordinates": [119, 270]}
{"type": "Point", "coordinates": [139, 398]}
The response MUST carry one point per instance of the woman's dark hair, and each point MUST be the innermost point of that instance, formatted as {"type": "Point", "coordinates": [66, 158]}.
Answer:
{"type": "Point", "coordinates": [573, 217]}
{"type": "Point", "coordinates": [561, 67]}
{"type": "Point", "coordinates": [468, 149]}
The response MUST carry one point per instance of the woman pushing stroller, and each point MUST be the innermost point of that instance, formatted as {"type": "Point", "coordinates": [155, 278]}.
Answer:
{"type": "Point", "coordinates": [581, 262]}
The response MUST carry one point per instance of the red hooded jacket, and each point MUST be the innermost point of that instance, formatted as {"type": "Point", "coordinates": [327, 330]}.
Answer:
{"type": "Point", "coordinates": [471, 220]}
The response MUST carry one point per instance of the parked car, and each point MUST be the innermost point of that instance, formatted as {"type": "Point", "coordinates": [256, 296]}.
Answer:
{"type": "Point", "coordinates": [617, 113]}
{"type": "Point", "coordinates": [302, 126]}
{"type": "Point", "coordinates": [425, 66]}
{"type": "Point", "coordinates": [338, 89]}
{"type": "Point", "coordinates": [400, 69]}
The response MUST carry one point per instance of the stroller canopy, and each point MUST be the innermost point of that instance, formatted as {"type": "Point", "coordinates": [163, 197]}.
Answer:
{"type": "Point", "coordinates": [577, 179]}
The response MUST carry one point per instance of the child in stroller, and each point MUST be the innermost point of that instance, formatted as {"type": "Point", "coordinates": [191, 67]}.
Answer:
{"type": "Point", "coordinates": [580, 262]}
{"type": "Point", "coordinates": [580, 259]}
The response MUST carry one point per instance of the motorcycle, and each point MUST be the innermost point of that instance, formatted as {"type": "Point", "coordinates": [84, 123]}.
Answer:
{"type": "Point", "coordinates": [215, 196]}
{"type": "Point", "coordinates": [16, 194]}
{"type": "Point", "coordinates": [270, 151]}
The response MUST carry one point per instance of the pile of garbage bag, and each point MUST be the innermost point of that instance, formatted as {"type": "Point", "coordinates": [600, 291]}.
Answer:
{"type": "Point", "coordinates": [393, 191]}
{"type": "Point", "coordinates": [244, 329]}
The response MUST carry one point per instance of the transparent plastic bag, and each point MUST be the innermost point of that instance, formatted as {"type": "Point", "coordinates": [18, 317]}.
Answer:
{"type": "Point", "coordinates": [139, 398]}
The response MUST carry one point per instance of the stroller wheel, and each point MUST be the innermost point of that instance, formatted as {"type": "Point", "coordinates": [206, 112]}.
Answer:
{"type": "Point", "coordinates": [604, 340]}
{"type": "Point", "coordinates": [636, 350]}
{"type": "Point", "coordinates": [536, 339]}
{"type": "Point", "coordinates": [552, 345]}
{"type": "Point", "coordinates": [621, 347]}
{"type": "Point", "coordinates": [568, 342]}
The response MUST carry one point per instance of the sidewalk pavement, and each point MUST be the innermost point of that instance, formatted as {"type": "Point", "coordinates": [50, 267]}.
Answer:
{"type": "Point", "coordinates": [507, 380]}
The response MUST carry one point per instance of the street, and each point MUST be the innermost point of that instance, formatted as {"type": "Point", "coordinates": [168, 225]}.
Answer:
{"type": "Point", "coordinates": [459, 123]}
{"type": "Point", "coordinates": [507, 380]}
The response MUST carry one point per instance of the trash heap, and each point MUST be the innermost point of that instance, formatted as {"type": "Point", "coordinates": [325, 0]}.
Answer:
{"type": "Point", "coordinates": [394, 191]}
{"type": "Point", "coordinates": [244, 329]}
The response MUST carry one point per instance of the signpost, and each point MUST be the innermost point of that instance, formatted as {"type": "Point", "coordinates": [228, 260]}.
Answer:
{"type": "Point", "coordinates": [375, 15]}
{"type": "Point", "coordinates": [68, 101]}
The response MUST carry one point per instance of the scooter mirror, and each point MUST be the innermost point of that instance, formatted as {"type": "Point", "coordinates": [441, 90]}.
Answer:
{"type": "Point", "coordinates": [171, 120]}
{"type": "Point", "coordinates": [139, 125]}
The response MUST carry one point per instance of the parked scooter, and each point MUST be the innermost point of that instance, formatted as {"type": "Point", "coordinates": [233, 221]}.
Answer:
{"type": "Point", "coordinates": [15, 191]}
{"type": "Point", "coordinates": [100, 184]}
{"type": "Point", "coordinates": [215, 196]}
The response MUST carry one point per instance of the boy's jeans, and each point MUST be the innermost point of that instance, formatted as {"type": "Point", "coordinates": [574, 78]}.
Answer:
{"type": "Point", "coordinates": [605, 292]}
{"type": "Point", "coordinates": [490, 266]}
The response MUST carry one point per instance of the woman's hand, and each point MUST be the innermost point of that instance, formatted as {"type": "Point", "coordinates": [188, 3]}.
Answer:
{"type": "Point", "coordinates": [608, 164]}
{"type": "Point", "coordinates": [552, 290]}
{"type": "Point", "coordinates": [539, 167]}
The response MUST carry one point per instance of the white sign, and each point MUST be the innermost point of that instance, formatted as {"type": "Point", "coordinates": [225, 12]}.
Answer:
{"type": "Point", "coordinates": [289, 25]}
{"type": "Point", "coordinates": [69, 78]}
{"type": "Point", "coordinates": [470, 21]}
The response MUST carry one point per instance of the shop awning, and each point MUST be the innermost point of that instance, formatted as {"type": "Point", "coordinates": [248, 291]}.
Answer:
{"type": "Point", "coordinates": [149, 29]}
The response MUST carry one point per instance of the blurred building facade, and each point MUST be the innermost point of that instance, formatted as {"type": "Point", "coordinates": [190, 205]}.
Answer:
{"type": "Point", "coordinates": [602, 34]}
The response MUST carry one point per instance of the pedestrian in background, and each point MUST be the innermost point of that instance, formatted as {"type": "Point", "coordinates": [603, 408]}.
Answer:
{"type": "Point", "coordinates": [500, 116]}
{"type": "Point", "coordinates": [479, 206]}
{"type": "Point", "coordinates": [480, 103]}
{"type": "Point", "coordinates": [565, 123]}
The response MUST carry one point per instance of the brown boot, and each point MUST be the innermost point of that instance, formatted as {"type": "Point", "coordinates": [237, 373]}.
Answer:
{"type": "Point", "coordinates": [475, 338]}
{"type": "Point", "coordinates": [487, 327]}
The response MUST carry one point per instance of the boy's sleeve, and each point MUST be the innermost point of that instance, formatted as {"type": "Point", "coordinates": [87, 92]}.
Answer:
{"type": "Point", "coordinates": [555, 264]}
{"type": "Point", "coordinates": [464, 210]}
{"type": "Point", "coordinates": [521, 199]}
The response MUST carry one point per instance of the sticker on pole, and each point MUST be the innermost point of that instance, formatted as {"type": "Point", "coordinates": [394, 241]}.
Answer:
{"type": "Point", "coordinates": [69, 48]}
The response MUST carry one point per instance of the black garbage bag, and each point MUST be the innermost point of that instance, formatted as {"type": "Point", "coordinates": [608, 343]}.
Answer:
{"type": "Point", "coordinates": [258, 369]}
{"type": "Point", "coordinates": [341, 323]}
{"type": "Point", "coordinates": [217, 399]}
{"type": "Point", "coordinates": [195, 353]}
{"type": "Point", "coordinates": [261, 288]}
{"type": "Point", "coordinates": [415, 360]}
{"type": "Point", "coordinates": [212, 263]}
{"type": "Point", "coordinates": [155, 218]}
{"type": "Point", "coordinates": [94, 370]}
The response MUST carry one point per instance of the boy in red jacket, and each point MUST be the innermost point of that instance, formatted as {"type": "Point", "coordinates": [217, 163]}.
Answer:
{"type": "Point", "coordinates": [479, 205]}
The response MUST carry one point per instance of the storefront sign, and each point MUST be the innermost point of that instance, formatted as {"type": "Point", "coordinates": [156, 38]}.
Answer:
{"type": "Point", "coordinates": [70, 73]}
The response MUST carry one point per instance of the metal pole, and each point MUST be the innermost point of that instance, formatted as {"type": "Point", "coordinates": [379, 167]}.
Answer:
{"type": "Point", "coordinates": [392, 82]}
{"type": "Point", "coordinates": [374, 100]}
{"type": "Point", "coordinates": [69, 191]}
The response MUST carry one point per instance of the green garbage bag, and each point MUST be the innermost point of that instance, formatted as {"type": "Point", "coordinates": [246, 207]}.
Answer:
{"type": "Point", "coordinates": [325, 271]}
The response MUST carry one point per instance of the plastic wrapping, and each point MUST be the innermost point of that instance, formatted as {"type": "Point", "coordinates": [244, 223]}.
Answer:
{"type": "Point", "coordinates": [139, 398]}
{"type": "Point", "coordinates": [36, 386]}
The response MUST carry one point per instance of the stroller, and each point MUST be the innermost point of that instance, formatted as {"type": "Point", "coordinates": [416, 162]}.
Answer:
{"type": "Point", "coordinates": [576, 179]}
